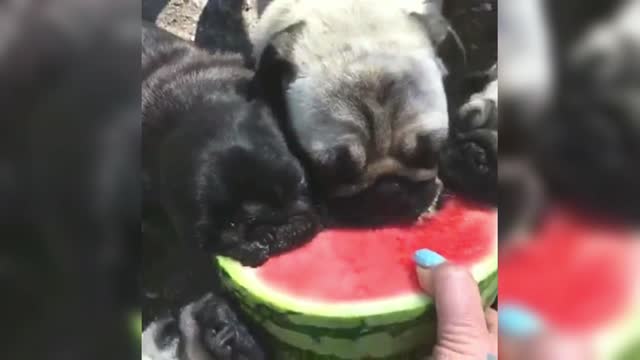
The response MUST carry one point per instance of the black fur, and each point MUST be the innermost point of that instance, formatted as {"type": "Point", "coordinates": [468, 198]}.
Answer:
{"type": "Point", "coordinates": [469, 159]}
{"type": "Point", "coordinates": [476, 23]}
{"type": "Point", "coordinates": [218, 169]}
{"type": "Point", "coordinates": [221, 27]}
{"type": "Point", "coordinates": [215, 162]}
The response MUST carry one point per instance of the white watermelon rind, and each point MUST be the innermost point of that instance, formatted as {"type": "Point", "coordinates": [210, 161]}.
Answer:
{"type": "Point", "coordinates": [390, 329]}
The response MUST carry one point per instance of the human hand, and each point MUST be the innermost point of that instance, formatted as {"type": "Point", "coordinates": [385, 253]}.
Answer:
{"type": "Point", "coordinates": [465, 329]}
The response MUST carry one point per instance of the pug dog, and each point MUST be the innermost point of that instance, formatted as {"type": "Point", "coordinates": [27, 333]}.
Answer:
{"type": "Point", "coordinates": [215, 162]}
{"type": "Point", "coordinates": [218, 169]}
{"type": "Point", "coordinates": [358, 86]}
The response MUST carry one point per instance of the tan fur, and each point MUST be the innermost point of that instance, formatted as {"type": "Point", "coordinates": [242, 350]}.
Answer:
{"type": "Point", "coordinates": [344, 54]}
{"type": "Point", "coordinates": [363, 25]}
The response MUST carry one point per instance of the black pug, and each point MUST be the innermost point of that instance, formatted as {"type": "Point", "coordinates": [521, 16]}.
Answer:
{"type": "Point", "coordinates": [215, 162]}
{"type": "Point", "coordinates": [219, 170]}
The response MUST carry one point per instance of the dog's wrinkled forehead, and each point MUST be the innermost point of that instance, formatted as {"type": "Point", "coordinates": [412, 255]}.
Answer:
{"type": "Point", "coordinates": [379, 105]}
{"type": "Point", "coordinates": [388, 79]}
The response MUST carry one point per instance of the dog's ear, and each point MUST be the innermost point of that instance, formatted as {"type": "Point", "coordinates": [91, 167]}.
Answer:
{"type": "Point", "coordinates": [275, 68]}
{"type": "Point", "coordinates": [449, 47]}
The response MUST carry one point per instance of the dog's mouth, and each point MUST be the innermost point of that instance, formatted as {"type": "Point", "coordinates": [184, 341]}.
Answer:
{"type": "Point", "coordinates": [254, 242]}
{"type": "Point", "coordinates": [282, 237]}
{"type": "Point", "coordinates": [386, 168]}
{"type": "Point", "coordinates": [390, 202]}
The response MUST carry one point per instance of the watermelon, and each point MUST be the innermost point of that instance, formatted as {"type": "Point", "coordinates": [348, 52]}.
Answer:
{"type": "Point", "coordinates": [354, 294]}
{"type": "Point", "coordinates": [580, 277]}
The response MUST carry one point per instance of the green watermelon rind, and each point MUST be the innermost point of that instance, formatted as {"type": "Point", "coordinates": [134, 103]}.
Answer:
{"type": "Point", "coordinates": [409, 305]}
{"type": "Point", "coordinates": [391, 341]}
{"type": "Point", "coordinates": [390, 329]}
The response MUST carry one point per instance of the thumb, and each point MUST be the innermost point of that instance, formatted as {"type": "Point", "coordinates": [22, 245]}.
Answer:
{"type": "Point", "coordinates": [462, 328]}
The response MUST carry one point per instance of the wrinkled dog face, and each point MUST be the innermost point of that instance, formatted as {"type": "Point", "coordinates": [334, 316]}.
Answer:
{"type": "Point", "coordinates": [262, 202]}
{"type": "Point", "coordinates": [217, 163]}
{"type": "Point", "coordinates": [372, 134]}
{"type": "Point", "coordinates": [385, 115]}
{"type": "Point", "coordinates": [369, 119]}
{"type": "Point", "coordinates": [253, 192]}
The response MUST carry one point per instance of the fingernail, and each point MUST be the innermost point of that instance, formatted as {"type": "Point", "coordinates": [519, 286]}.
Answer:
{"type": "Point", "coordinates": [518, 321]}
{"type": "Point", "coordinates": [427, 258]}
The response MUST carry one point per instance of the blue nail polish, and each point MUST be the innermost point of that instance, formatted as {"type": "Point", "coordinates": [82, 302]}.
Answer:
{"type": "Point", "coordinates": [427, 258]}
{"type": "Point", "coordinates": [492, 357]}
{"type": "Point", "coordinates": [518, 321]}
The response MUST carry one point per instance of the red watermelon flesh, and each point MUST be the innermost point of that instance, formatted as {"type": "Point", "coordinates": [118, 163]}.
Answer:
{"type": "Point", "coordinates": [576, 273]}
{"type": "Point", "coordinates": [351, 265]}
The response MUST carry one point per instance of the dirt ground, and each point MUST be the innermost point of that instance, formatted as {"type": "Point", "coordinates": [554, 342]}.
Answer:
{"type": "Point", "coordinates": [181, 16]}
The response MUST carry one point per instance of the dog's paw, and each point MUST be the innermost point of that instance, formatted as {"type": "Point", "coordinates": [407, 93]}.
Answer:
{"type": "Point", "coordinates": [211, 330]}
{"type": "Point", "coordinates": [468, 163]}
{"type": "Point", "coordinates": [160, 340]}
{"type": "Point", "coordinates": [481, 109]}
{"type": "Point", "coordinates": [207, 329]}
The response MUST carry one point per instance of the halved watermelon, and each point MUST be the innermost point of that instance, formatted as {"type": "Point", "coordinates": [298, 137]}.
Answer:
{"type": "Point", "coordinates": [581, 277]}
{"type": "Point", "coordinates": [353, 294]}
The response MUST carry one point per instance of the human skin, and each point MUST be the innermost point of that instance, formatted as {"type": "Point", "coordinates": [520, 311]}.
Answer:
{"type": "Point", "coordinates": [467, 331]}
